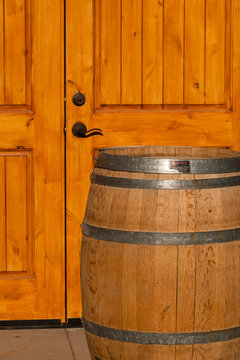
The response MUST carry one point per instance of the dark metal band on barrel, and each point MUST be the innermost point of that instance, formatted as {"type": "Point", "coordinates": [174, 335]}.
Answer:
{"type": "Point", "coordinates": [164, 184]}
{"type": "Point", "coordinates": [161, 166]}
{"type": "Point", "coordinates": [160, 238]}
{"type": "Point", "coordinates": [149, 338]}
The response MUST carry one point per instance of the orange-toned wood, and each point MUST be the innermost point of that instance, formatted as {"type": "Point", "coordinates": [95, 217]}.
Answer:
{"type": "Point", "coordinates": [16, 129]}
{"type": "Point", "coordinates": [236, 75]}
{"type": "Point", "coordinates": [2, 216]}
{"type": "Point", "coordinates": [1, 52]}
{"type": "Point", "coordinates": [131, 52]}
{"type": "Point", "coordinates": [32, 161]}
{"type": "Point", "coordinates": [16, 213]}
{"type": "Point", "coordinates": [155, 120]}
{"type": "Point", "coordinates": [15, 51]}
{"type": "Point", "coordinates": [77, 172]}
{"type": "Point", "coordinates": [110, 30]}
{"type": "Point", "coordinates": [215, 51]}
{"type": "Point", "coordinates": [152, 66]}
{"type": "Point", "coordinates": [173, 51]}
{"type": "Point", "coordinates": [194, 60]}
{"type": "Point", "coordinates": [162, 288]}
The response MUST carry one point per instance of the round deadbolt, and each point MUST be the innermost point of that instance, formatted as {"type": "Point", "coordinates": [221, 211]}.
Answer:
{"type": "Point", "coordinates": [79, 99]}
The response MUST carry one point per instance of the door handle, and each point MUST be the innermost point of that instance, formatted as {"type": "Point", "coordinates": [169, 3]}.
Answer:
{"type": "Point", "coordinates": [80, 130]}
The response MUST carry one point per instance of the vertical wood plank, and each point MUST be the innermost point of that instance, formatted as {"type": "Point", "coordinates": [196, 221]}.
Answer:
{"type": "Point", "coordinates": [165, 294]}
{"type": "Point", "coordinates": [1, 53]}
{"type": "Point", "coordinates": [173, 51]}
{"type": "Point", "coordinates": [129, 287]}
{"type": "Point", "coordinates": [236, 76]}
{"type": "Point", "coordinates": [16, 213]}
{"type": "Point", "coordinates": [186, 289]}
{"type": "Point", "coordinates": [228, 54]}
{"type": "Point", "coordinates": [131, 52]}
{"type": "Point", "coordinates": [110, 51]}
{"type": "Point", "coordinates": [152, 51]}
{"type": "Point", "coordinates": [15, 52]}
{"type": "Point", "coordinates": [109, 284]}
{"type": "Point", "coordinates": [184, 352]}
{"type": "Point", "coordinates": [215, 52]}
{"type": "Point", "coordinates": [78, 77]}
{"type": "Point", "coordinates": [2, 216]}
{"type": "Point", "coordinates": [194, 51]}
{"type": "Point", "coordinates": [206, 287]}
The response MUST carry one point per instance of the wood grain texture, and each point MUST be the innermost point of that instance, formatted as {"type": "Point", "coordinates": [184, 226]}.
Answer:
{"type": "Point", "coordinates": [194, 52]}
{"type": "Point", "coordinates": [32, 287]}
{"type": "Point", "coordinates": [3, 260]}
{"type": "Point", "coordinates": [173, 51]}
{"type": "Point", "coordinates": [155, 288]}
{"type": "Point", "coordinates": [149, 52]}
{"type": "Point", "coordinates": [128, 124]}
{"type": "Point", "coordinates": [15, 46]}
{"type": "Point", "coordinates": [177, 127]}
{"type": "Point", "coordinates": [2, 81]}
{"type": "Point", "coordinates": [131, 52]}
{"type": "Point", "coordinates": [77, 172]}
{"type": "Point", "coordinates": [110, 28]}
{"type": "Point", "coordinates": [236, 75]}
{"type": "Point", "coordinates": [48, 28]}
{"type": "Point", "coordinates": [16, 213]}
{"type": "Point", "coordinates": [152, 44]}
{"type": "Point", "coordinates": [215, 50]}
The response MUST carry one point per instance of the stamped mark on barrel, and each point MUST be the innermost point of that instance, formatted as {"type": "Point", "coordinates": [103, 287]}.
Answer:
{"type": "Point", "coordinates": [181, 166]}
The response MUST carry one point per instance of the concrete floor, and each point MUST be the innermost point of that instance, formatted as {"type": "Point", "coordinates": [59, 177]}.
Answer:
{"type": "Point", "coordinates": [43, 344]}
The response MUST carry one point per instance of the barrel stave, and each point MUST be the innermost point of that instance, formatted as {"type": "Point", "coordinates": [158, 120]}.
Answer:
{"type": "Point", "coordinates": [164, 287]}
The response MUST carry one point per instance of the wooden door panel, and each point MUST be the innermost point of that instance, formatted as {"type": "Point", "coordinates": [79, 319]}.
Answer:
{"type": "Point", "coordinates": [15, 47]}
{"type": "Point", "coordinates": [154, 73]}
{"type": "Point", "coordinates": [16, 242]}
{"type": "Point", "coordinates": [162, 53]}
{"type": "Point", "coordinates": [194, 77]}
{"type": "Point", "coordinates": [32, 272]}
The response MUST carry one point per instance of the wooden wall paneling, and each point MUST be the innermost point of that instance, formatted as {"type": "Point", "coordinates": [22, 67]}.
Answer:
{"type": "Point", "coordinates": [3, 262]}
{"type": "Point", "coordinates": [78, 169]}
{"type": "Point", "coordinates": [16, 206]}
{"type": "Point", "coordinates": [229, 54]}
{"type": "Point", "coordinates": [15, 51]}
{"type": "Point", "coordinates": [215, 52]}
{"type": "Point", "coordinates": [1, 54]}
{"type": "Point", "coordinates": [110, 29]}
{"type": "Point", "coordinates": [152, 43]}
{"type": "Point", "coordinates": [194, 51]}
{"type": "Point", "coordinates": [173, 51]}
{"type": "Point", "coordinates": [236, 76]}
{"type": "Point", "coordinates": [131, 52]}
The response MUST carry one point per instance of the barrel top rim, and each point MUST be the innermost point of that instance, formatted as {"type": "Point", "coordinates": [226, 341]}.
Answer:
{"type": "Point", "coordinates": [213, 160]}
{"type": "Point", "coordinates": [232, 153]}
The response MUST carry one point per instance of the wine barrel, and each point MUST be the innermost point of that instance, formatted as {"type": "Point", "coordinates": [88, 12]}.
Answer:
{"type": "Point", "coordinates": [160, 259]}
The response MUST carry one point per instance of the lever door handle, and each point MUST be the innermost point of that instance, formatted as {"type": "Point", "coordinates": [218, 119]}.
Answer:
{"type": "Point", "coordinates": [80, 130]}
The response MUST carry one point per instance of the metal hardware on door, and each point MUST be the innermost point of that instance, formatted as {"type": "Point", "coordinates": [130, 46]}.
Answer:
{"type": "Point", "coordinates": [79, 99]}
{"type": "Point", "coordinates": [80, 130]}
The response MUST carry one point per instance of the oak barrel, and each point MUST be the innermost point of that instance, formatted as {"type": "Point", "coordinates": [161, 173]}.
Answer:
{"type": "Point", "coordinates": [160, 259]}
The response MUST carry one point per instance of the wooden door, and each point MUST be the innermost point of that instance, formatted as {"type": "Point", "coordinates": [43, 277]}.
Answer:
{"type": "Point", "coordinates": [154, 73]}
{"type": "Point", "coordinates": [31, 160]}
